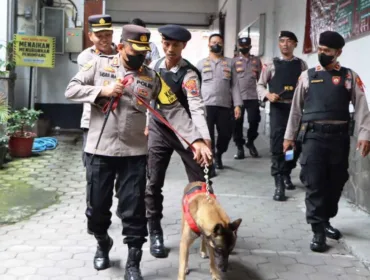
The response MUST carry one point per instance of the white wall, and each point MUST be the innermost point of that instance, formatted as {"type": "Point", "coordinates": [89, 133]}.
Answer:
{"type": "Point", "coordinates": [3, 30]}
{"type": "Point", "coordinates": [162, 11]}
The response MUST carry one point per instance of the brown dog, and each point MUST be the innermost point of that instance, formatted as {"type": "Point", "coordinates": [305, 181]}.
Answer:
{"type": "Point", "coordinates": [205, 218]}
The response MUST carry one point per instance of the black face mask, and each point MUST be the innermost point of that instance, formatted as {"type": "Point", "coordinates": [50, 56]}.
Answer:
{"type": "Point", "coordinates": [216, 48]}
{"type": "Point", "coordinates": [135, 61]}
{"type": "Point", "coordinates": [325, 60]}
{"type": "Point", "coordinates": [245, 50]}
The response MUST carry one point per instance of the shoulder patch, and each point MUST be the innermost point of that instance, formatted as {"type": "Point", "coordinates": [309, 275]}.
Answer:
{"type": "Point", "coordinates": [191, 87]}
{"type": "Point", "coordinates": [360, 84]}
{"type": "Point", "coordinates": [87, 66]}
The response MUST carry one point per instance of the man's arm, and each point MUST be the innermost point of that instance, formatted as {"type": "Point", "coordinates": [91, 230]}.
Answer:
{"type": "Point", "coordinates": [235, 92]}
{"type": "Point", "coordinates": [304, 65]}
{"type": "Point", "coordinates": [262, 82]}
{"type": "Point", "coordinates": [362, 115]}
{"type": "Point", "coordinates": [297, 108]}
{"type": "Point", "coordinates": [191, 88]}
{"type": "Point", "coordinates": [84, 57]}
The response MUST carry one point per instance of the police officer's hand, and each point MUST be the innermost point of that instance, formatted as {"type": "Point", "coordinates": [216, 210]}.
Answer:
{"type": "Point", "coordinates": [202, 154]}
{"type": "Point", "coordinates": [208, 143]}
{"type": "Point", "coordinates": [272, 97]}
{"type": "Point", "coordinates": [237, 112]}
{"type": "Point", "coordinates": [146, 131]}
{"type": "Point", "coordinates": [288, 144]}
{"type": "Point", "coordinates": [364, 146]}
{"type": "Point", "coordinates": [112, 91]}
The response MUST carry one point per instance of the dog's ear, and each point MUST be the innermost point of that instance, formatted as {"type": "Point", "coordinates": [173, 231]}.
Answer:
{"type": "Point", "coordinates": [235, 225]}
{"type": "Point", "coordinates": [217, 230]}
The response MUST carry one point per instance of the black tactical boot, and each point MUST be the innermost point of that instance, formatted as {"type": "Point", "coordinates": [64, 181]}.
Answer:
{"type": "Point", "coordinates": [318, 243]}
{"type": "Point", "coordinates": [132, 270]}
{"type": "Point", "coordinates": [280, 189]}
{"type": "Point", "coordinates": [218, 161]}
{"type": "Point", "coordinates": [252, 149]}
{"type": "Point", "coordinates": [101, 258]}
{"type": "Point", "coordinates": [157, 248]}
{"type": "Point", "coordinates": [288, 183]}
{"type": "Point", "coordinates": [239, 153]}
{"type": "Point", "coordinates": [331, 232]}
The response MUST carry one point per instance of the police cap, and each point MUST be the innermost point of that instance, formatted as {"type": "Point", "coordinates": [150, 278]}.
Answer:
{"type": "Point", "coordinates": [332, 40]}
{"type": "Point", "coordinates": [289, 35]}
{"type": "Point", "coordinates": [100, 22]}
{"type": "Point", "coordinates": [244, 41]}
{"type": "Point", "coordinates": [175, 32]}
{"type": "Point", "coordinates": [137, 36]}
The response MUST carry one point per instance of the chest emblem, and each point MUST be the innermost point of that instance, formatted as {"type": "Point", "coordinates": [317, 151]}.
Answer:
{"type": "Point", "coordinates": [109, 69]}
{"type": "Point", "coordinates": [336, 80]}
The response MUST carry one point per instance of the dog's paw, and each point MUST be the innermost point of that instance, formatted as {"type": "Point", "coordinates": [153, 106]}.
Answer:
{"type": "Point", "coordinates": [203, 255]}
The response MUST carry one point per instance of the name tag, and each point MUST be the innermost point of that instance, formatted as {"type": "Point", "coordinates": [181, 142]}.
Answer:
{"type": "Point", "coordinates": [317, 81]}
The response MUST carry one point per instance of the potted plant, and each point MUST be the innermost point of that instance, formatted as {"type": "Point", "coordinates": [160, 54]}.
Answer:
{"type": "Point", "coordinates": [4, 113]}
{"type": "Point", "coordinates": [21, 139]}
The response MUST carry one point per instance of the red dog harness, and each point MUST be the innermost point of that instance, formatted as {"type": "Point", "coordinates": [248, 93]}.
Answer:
{"type": "Point", "coordinates": [185, 205]}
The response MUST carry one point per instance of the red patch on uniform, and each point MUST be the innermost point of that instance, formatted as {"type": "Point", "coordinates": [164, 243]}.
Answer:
{"type": "Point", "coordinates": [191, 87]}
{"type": "Point", "coordinates": [336, 80]}
{"type": "Point", "coordinates": [360, 84]}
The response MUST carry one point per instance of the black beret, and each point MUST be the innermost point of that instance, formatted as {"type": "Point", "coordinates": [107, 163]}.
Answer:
{"type": "Point", "coordinates": [175, 32]}
{"type": "Point", "coordinates": [137, 36]}
{"type": "Point", "coordinates": [332, 40]}
{"type": "Point", "coordinates": [288, 34]}
{"type": "Point", "coordinates": [100, 22]}
{"type": "Point", "coordinates": [244, 41]}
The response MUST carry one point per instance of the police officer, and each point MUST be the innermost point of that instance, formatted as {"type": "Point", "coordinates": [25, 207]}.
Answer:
{"type": "Point", "coordinates": [248, 69]}
{"type": "Point", "coordinates": [153, 54]}
{"type": "Point", "coordinates": [320, 113]}
{"type": "Point", "coordinates": [218, 80]}
{"type": "Point", "coordinates": [101, 35]}
{"type": "Point", "coordinates": [281, 76]}
{"type": "Point", "coordinates": [183, 79]}
{"type": "Point", "coordinates": [123, 146]}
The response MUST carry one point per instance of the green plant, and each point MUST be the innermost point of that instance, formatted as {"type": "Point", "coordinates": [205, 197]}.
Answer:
{"type": "Point", "coordinates": [4, 114]}
{"type": "Point", "coordinates": [8, 63]}
{"type": "Point", "coordinates": [20, 120]}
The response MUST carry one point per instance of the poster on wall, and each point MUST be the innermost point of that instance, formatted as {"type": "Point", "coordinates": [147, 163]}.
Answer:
{"type": "Point", "coordinates": [36, 51]}
{"type": "Point", "coordinates": [350, 18]}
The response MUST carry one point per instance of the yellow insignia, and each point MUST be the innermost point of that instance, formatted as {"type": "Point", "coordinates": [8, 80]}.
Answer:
{"type": "Point", "coordinates": [239, 62]}
{"type": "Point", "coordinates": [207, 63]}
{"type": "Point", "coordinates": [106, 83]}
{"type": "Point", "coordinates": [115, 61]}
{"type": "Point", "coordinates": [102, 21]}
{"type": "Point", "coordinates": [207, 69]}
{"type": "Point", "coordinates": [109, 69]}
{"type": "Point", "coordinates": [166, 96]}
{"type": "Point", "coordinates": [87, 66]}
{"type": "Point", "coordinates": [224, 62]}
{"type": "Point", "coordinates": [239, 69]}
{"type": "Point", "coordinates": [289, 88]}
{"type": "Point", "coordinates": [143, 38]}
{"type": "Point", "coordinates": [146, 78]}
{"type": "Point", "coordinates": [317, 81]}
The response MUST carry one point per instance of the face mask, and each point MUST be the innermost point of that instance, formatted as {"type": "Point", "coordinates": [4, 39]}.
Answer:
{"type": "Point", "coordinates": [135, 61]}
{"type": "Point", "coordinates": [216, 48]}
{"type": "Point", "coordinates": [245, 50]}
{"type": "Point", "coordinates": [325, 60]}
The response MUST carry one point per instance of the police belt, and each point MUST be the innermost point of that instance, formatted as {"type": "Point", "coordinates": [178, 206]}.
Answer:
{"type": "Point", "coordinates": [339, 128]}
{"type": "Point", "coordinates": [286, 101]}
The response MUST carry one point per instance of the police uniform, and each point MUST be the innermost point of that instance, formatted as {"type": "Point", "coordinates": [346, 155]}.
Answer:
{"type": "Point", "coordinates": [96, 23]}
{"type": "Point", "coordinates": [248, 69]}
{"type": "Point", "coordinates": [184, 81]}
{"type": "Point", "coordinates": [320, 113]}
{"type": "Point", "coordinates": [218, 80]}
{"type": "Point", "coordinates": [123, 147]}
{"type": "Point", "coordinates": [281, 76]}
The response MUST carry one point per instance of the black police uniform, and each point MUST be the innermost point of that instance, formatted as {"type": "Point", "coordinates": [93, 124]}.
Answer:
{"type": "Point", "coordinates": [163, 141]}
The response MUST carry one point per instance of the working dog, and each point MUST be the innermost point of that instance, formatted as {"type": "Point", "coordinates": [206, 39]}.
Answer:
{"type": "Point", "coordinates": [204, 217]}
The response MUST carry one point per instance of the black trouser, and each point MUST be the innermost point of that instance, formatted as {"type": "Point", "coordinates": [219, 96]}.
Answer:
{"type": "Point", "coordinates": [222, 117]}
{"type": "Point", "coordinates": [130, 173]}
{"type": "Point", "coordinates": [279, 115]}
{"type": "Point", "coordinates": [254, 117]}
{"type": "Point", "coordinates": [85, 131]}
{"type": "Point", "coordinates": [162, 143]}
{"type": "Point", "coordinates": [324, 173]}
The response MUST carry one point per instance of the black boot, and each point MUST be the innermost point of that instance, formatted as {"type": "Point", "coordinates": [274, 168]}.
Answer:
{"type": "Point", "coordinates": [252, 149]}
{"type": "Point", "coordinates": [239, 153]}
{"type": "Point", "coordinates": [132, 270]}
{"type": "Point", "coordinates": [218, 161]}
{"type": "Point", "coordinates": [318, 243]}
{"type": "Point", "coordinates": [157, 248]}
{"type": "Point", "coordinates": [279, 189]}
{"type": "Point", "coordinates": [331, 232]}
{"type": "Point", "coordinates": [288, 183]}
{"type": "Point", "coordinates": [101, 258]}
